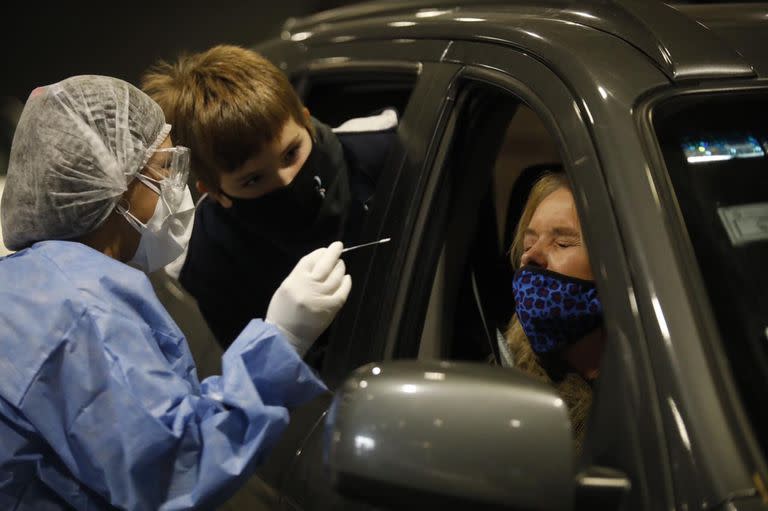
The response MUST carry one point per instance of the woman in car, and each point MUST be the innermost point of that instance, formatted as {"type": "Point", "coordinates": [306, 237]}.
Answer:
{"type": "Point", "coordinates": [556, 333]}
{"type": "Point", "coordinates": [100, 405]}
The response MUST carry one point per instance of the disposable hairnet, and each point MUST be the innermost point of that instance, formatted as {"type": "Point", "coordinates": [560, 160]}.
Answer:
{"type": "Point", "coordinates": [78, 145]}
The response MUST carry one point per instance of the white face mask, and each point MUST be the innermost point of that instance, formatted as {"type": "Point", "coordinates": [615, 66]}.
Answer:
{"type": "Point", "coordinates": [166, 235]}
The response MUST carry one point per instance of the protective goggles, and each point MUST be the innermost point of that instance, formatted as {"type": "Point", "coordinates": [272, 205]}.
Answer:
{"type": "Point", "coordinates": [167, 174]}
{"type": "Point", "coordinates": [170, 166]}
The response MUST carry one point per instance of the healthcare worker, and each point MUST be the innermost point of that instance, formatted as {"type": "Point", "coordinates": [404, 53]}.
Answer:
{"type": "Point", "coordinates": [100, 405]}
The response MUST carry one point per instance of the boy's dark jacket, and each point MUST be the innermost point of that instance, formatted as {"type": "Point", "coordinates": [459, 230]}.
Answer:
{"type": "Point", "coordinates": [232, 267]}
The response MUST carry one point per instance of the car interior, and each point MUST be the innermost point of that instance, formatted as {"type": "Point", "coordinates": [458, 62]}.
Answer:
{"type": "Point", "coordinates": [483, 298]}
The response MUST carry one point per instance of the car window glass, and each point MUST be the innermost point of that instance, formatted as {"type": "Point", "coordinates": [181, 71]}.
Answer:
{"type": "Point", "coordinates": [334, 98]}
{"type": "Point", "coordinates": [715, 148]}
{"type": "Point", "coordinates": [337, 97]}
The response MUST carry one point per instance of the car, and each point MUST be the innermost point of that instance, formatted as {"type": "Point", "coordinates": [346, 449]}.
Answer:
{"type": "Point", "coordinates": [657, 112]}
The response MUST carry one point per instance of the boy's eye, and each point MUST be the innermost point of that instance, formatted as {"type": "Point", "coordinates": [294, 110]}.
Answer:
{"type": "Point", "coordinates": [290, 155]}
{"type": "Point", "coordinates": [252, 181]}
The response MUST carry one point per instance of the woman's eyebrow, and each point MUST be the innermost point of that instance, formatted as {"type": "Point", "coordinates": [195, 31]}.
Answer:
{"type": "Point", "coordinates": [565, 231]}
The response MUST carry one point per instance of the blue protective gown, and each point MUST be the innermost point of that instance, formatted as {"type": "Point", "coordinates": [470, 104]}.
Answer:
{"type": "Point", "coordinates": [100, 405]}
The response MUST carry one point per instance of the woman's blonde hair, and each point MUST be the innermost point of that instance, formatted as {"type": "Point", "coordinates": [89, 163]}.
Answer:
{"type": "Point", "coordinates": [572, 388]}
{"type": "Point", "coordinates": [548, 183]}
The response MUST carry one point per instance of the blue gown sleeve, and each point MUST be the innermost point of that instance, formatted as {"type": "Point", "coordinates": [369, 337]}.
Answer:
{"type": "Point", "coordinates": [145, 438]}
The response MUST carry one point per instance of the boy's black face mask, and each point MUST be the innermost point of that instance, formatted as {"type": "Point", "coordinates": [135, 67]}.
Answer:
{"type": "Point", "coordinates": [313, 206]}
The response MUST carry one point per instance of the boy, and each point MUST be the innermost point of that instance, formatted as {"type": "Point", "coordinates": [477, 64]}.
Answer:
{"type": "Point", "coordinates": [279, 182]}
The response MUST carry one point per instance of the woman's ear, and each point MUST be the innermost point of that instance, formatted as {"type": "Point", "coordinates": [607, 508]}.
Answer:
{"type": "Point", "coordinates": [305, 110]}
{"type": "Point", "coordinates": [223, 200]}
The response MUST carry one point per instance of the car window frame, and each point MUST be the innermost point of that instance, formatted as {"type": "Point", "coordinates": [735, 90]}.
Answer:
{"type": "Point", "coordinates": [354, 326]}
{"type": "Point", "coordinates": [351, 341]}
{"type": "Point", "coordinates": [495, 65]}
{"type": "Point", "coordinates": [357, 340]}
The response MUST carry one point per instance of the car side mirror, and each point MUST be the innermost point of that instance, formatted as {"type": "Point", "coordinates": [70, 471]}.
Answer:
{"type": "Point", "coordinates": [409, 432]}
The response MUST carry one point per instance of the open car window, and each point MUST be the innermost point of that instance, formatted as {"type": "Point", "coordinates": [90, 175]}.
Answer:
{"type": "Point", "coordinates": [496, 148]}
{"type": "Point", "coordinates": [495, 159]}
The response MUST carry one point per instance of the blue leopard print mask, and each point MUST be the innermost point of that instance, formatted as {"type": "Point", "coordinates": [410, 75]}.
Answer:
{"type": "Point", "coordinates": [554, 310]}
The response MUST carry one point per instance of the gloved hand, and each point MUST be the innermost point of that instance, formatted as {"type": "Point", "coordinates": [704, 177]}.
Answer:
{"type": "Point", "coordinates": [309, 298]}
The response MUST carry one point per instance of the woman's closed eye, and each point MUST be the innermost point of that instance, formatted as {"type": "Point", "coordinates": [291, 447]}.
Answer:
{"type": "Point", "coordinates": [567, 242]}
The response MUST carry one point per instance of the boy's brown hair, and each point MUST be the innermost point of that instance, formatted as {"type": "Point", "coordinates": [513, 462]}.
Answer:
{"type": "Point", "coordinates": [225, 104]}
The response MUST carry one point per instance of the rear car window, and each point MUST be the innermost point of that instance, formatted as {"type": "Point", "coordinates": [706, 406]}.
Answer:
{"type": "Point", "coordinates": [337, 97]}
{"type": "Point", "coordinates": [715, 148]}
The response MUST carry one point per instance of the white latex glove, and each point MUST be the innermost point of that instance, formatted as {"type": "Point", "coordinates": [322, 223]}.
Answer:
{"type": "Point", "coordinates": [309, 298]}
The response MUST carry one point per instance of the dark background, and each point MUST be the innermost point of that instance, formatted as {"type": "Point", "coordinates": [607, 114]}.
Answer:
{"type": "Point", "coordinates": [46, 42]}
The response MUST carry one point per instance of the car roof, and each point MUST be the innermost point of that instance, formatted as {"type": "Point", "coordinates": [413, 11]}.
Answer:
{"type": "Point", "coordinates": [684, 41]}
